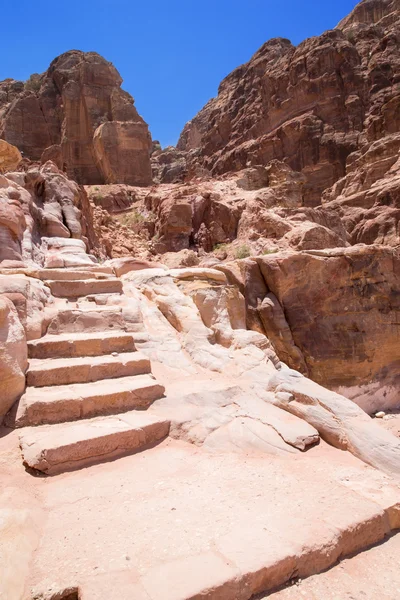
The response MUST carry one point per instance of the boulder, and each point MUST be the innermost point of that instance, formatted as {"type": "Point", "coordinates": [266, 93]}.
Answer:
{"type": "Point", "coordinates": [13, 356]}
{"type": "Point", "coordinates": [183, 258]}
{"type": "Point", "coordinates": [340, 306]}
{"type": "Point", "coordinates": [31, 297]}
{"type": "Point", "coordinates": [10, 157]}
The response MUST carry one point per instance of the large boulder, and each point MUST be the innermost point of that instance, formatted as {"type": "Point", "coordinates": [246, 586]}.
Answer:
{"type": "Point", "coordinates": [341, 307]}
{"type": "Point", "coordinates": [13, 356]}
{"type": "Point", "coordinates": [10, 157]}
{"type": "Point", "coordinates": [31, 297]}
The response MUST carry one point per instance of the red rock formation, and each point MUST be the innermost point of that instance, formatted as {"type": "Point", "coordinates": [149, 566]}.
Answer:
{"type": "Point", "coordinates": [77, 99]}
{"type": "Point", "coordinates": [10, 157]}
{"type": "Point", "coordinates": [13, 356]}
{"type": "Point", "coordinates": [42, 208]}
{"type": "Point", "coordinates": [122, 150]}
{"type": "Point", "coordinates": [332, 315]}
{"type": "Point", "coordinates": [328, 108]}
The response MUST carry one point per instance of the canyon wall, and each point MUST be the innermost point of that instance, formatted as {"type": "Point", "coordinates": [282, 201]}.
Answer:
{"type": "Point", "coordinates": [329, 108]}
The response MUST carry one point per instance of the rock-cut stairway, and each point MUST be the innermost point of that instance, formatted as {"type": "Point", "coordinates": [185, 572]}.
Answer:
{"type": "Point", "coordinates": [86, 393]}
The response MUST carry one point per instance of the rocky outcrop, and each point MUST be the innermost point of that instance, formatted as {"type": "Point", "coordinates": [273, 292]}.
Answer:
{"type": "Point", "coordinates": [329, 109]}
{"type": "Point", "coordinates": [122, 151]}
{"type": "Point", "coordinates": [368, 197]}
{"type": "Point", "coordinates": [70, 113]}
{"type": "Point", "coordinates": [332, 314]}
{"type": "Point", "coordinates": [42, 209]}
{"type": "Point", "coordinates": [261, 208]}
{"type": "Point", "coordinates": [168, 165]}
{"type": "Point", "coordinates": [13, 199]}
{"type": "Point", "coordinates": [30, 297]}
{"type": "Point", "coordinates": [10, 157]}
{"type": "Point", "coordinates": [13, 356]}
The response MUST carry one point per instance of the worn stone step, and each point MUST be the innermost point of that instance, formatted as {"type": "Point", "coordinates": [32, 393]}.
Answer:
{"type": "Point", "coordinates": [62, 403]}
{"type": "Point", "coordinates": [87, 319]}
{"type": "Point", "coordinates": [71, 345]}
{"type": "Point", "coordinates": [101, 299]}
{"type": "Point", "coordinates": [75, 274]}
{"type": "Point", "coordinates": [84, 287]}
{"type": "Point", "coordinates": [63, 371]}
{"type": "Point", "coordinates": [56, 448]}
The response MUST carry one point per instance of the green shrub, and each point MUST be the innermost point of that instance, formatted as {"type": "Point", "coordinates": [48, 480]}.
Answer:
{"type": "Point", "coordinates": [33, 83]}
{"type": "Point", "coordinates": [242, 252]}
{"type": "Point", "coordinates": [134, 217]}
{"type": "Point", "coordinates": [220, 247]}
{"type": "Point", "coordinates": [270, 251]}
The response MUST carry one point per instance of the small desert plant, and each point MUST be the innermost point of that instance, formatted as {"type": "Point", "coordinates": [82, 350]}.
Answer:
{"type": "Point", "coordinates": [270, 251]}
{"type": "Point", "coordinates": [242, 252]}
{"type": "Point", "coordinates": [97, 199]}
{"type": "Point", "coordinates": [33, 83]}
{"type": "Point", "coordinates": [222, 247]}
{"type": "Point", "coordinates": [132, 218]}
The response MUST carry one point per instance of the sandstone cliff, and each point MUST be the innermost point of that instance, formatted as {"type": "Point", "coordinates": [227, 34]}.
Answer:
{"type": "Point", "coordinates": [328, 108]}
{"type": "Point", "coordinates": [77, 114]}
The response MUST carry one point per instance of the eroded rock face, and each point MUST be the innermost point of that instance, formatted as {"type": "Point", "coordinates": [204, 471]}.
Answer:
{"type": "Point", "coordinates": [64, 107]}
{"type": "Point", "coordinates": [368, 197]}
{"type": "Point", "coordinates": [30, 296]}
{"type": "Point", "coordinates": [332, 315]}
{"type": "Point", "coordinates": [38, 207]}
{"type": "Point", "coordinates": [262, 208]}
{"type": "Point", "coordinates": [122, 150]}
{"type": "Point", "coordinates": [13, 356]}
{"type": "Point", "coordinates": [12, 220]}
{"type": "Point", "coordinates": [329, 109]}
{"type": "Point", "coordinates": [10, 157]}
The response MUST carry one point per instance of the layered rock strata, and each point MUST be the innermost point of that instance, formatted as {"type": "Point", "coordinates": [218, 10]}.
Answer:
{"type": "Point", "coordinates": [77, 115]}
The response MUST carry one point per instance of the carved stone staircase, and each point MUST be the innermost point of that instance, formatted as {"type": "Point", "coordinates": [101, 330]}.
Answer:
{"type": "Point", "coordinates": [87, 391]}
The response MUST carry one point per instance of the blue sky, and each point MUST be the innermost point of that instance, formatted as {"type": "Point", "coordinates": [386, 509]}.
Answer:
{"type": "Point", "coordinates": [172, 54]}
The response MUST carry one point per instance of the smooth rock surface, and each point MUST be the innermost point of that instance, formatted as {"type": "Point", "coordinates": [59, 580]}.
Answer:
{"type": "Point", "coordinates": [82, 369]}
{"type": "Point", "coordinates": [56, 448]}
{"type": "Point", "coordinates": [61, 403]}
{"type": "Point", "coordinates": [13, 356]}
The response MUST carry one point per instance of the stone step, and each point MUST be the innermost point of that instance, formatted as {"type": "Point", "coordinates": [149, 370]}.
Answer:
{"type": "Point", "coordinates": [62, 403]}
{"type": "Point", "coordinates": [67, 446]}
{"type": "Point", "coordinates": [84, 287]}
{"type": "Point", "coordinates": [63, 371]}
{"type": "Point", "coordinates": [87, 319]}
{"type": "Point", "coordinates": [101, 299]}
{"type": "Point", "coordinates": [72, 345]}
{"type": "Point", "coordinates": [75, 274]}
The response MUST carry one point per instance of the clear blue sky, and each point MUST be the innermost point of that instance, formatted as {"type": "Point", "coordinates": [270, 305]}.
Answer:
{"type": "Point", "coordinates": [172, 54]}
